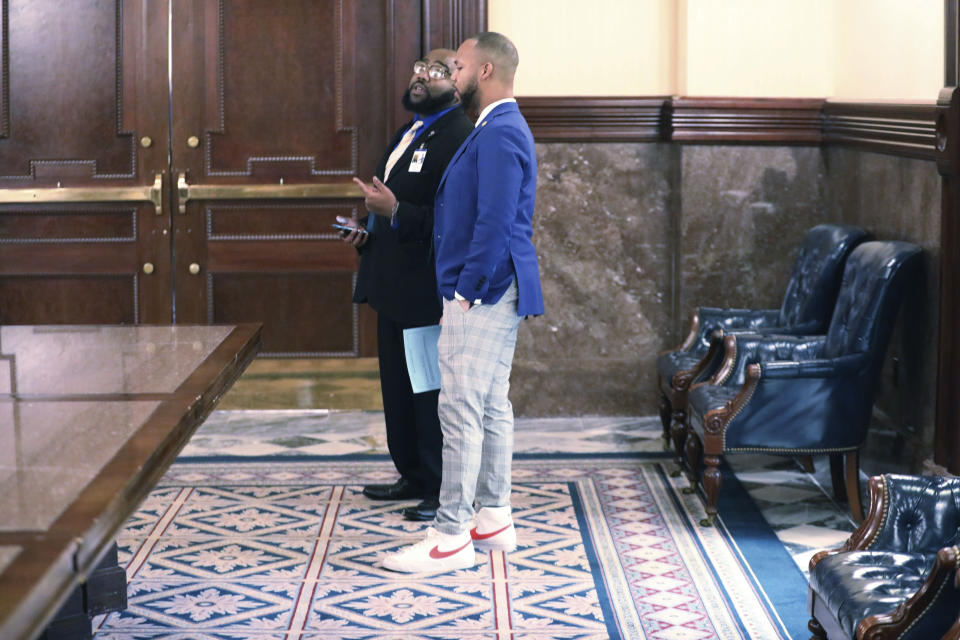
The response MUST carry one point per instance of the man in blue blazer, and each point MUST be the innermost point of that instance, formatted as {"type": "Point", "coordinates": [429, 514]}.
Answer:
{"type": "Point", "coordinates": [488, 278]}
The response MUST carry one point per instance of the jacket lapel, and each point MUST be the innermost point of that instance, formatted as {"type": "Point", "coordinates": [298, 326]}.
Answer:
{"type": "Point", "coordinates": [423, 138]}
{"type": "Point", "coordinates": [498, 111]}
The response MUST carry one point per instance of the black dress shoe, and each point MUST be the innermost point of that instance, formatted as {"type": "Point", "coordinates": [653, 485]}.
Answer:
{"type": "Point", "coordinates": [426, 510]}
{"type": "Point", "coordinates": [402, 489]}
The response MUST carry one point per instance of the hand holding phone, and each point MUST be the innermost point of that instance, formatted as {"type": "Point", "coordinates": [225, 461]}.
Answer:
{"type": "Point", "coordinates": [344, 227]}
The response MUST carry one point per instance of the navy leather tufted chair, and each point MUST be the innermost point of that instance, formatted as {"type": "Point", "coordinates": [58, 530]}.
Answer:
{"type": "Point", "coordinates": [895, 575]}
{"type": "Point", "coordinates": [806, 308]}
{"type": "Point", "coordinates": [804, 395]}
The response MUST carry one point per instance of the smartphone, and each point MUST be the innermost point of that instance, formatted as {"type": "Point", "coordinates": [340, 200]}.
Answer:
{"type": "Point", "coordinates": [344, 227]}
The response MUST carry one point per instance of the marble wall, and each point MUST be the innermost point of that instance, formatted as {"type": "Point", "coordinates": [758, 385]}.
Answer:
{"type": "Point", "coordinates": [744, 210]}
{"type": "Point", "coordinates": [602, 232]}
{"type": "Point", "coordinates": [897, 198]}
{"type": "Point", "coordinates": [632, 237]}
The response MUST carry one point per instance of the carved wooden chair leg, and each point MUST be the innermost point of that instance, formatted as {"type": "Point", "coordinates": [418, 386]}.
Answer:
{"type": "Point", "coordinates": [665, 412]}
{"type": "Point", "coordinates": [679, 432]}
{"type": "Point", "coordinates": [711, 486]}
{"type": "Point", "coordinates": [852, 465]}
{"type": "Point", "coordinates": [819, 633]}
{"type": "Point", "coordinates": [836, 477]}
{"type": "Point", "coordinates": [694, 451]}
{"type": "Point", "coordinates": [806, 463]}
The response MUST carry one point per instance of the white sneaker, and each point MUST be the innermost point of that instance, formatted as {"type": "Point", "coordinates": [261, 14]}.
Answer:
{"type": "Point", "coordinates": [494, 530]}
{"type": "Point", "coordinates": [438, 552]}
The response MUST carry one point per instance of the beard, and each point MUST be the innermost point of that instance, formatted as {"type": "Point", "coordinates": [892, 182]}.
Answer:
{"type": "Point", "coordinates": [469, 97]}
{"type": "Point", "coordinates": [430, 103]}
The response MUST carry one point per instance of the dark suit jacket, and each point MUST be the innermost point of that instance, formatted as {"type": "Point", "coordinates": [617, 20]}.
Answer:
{"type": "Point", "coordinates": [399, 279]}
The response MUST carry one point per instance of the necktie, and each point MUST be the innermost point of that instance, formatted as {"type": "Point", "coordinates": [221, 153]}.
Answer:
{"type": "Point", "coordinates": [401, 148]}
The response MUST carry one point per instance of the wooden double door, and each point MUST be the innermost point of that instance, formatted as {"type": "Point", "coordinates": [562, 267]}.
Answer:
{"type": "Point", "coordinates": [182, 160]}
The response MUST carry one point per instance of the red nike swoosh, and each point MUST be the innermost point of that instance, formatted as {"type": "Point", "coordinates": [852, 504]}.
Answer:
{"type": "Point", "coordinates": [484, 536]}
{"type": "Point", "coordinates": [436, 554]}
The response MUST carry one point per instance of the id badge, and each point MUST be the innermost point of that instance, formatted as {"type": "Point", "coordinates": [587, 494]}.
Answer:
{"type": "Point", "coordinates": [416, 163]}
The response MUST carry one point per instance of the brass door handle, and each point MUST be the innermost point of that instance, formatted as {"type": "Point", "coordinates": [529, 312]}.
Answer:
{"type": "Point", "coordinates": [281, 191]}
{"type": "Point", "coordinates": [152, 193]}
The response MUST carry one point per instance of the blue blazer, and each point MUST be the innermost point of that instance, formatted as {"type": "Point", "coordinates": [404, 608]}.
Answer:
{"type": "Point", "coordinates": [483, 214]}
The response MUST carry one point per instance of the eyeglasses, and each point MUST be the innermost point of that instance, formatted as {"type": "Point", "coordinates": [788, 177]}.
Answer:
{"type": "Point", "coordinates": [435, 71]}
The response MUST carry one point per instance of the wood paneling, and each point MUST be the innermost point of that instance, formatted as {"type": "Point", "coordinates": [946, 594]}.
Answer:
{"type": "Point", "coordinates": [302, 92]}
{"type": "Point", "coordinates": [303, 315]}
{"type": "Point", "coordinates": [76, 297]}
{"type": "Point", "coordinates": [65, 91]}
{"type": "Point", "coordinates": [47, 224]}
{"type": "Point", "coordinates": [947, 420]}
{"type": "Point", "coordinates": [284, 221]}
{"type": "Point", "coordinates": [80, 89]}
{"type": "Point", "coordinates": [447, 23]}
{"type": "Point", "coordinates": [899, 129]}
{"type": "Point", "coordinates": [597, 119]}
{"type": "Point", "coordinates": [745, 120]}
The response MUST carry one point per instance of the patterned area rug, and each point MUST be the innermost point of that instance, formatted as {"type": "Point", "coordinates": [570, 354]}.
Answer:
{"type": "Point", "coordinates": [609, 548]}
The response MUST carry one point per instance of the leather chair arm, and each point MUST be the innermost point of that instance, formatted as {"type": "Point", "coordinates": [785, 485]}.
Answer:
{"type": "Point", "coordinates": [930, 600]}
{"type": "Point", "coordinates": [848, 365]}
{"type": "Point", "coordinates": [953, 633]}
{"type": "Point", "coordinates": [744, 349]}
{"type": "Point", "coordinates": [864, 535]}
{"type": "Point", "coordinates": [706, 320]}
{"type": "Point", "coordinates": [705, 366]}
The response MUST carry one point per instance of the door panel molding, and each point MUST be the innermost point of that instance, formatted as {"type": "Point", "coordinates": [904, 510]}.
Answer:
{"type": "Point", "coordinates": [72, 295]}
{"type": "Point", "coordinates": [268, 108]}
{"type": "Point", "coordinates": [291, 60]}
{"type": "Point", "coordinates": [318, 323]}
{"type": "Point", "coordinates": [305, 221]}
{"type": "Point", "coordinates": [67, 226]}
{"type": "Point", "coordinates": [53, 147]}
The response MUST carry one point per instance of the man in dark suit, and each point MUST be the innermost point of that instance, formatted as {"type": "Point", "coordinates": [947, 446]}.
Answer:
{"type": "Point", "coordinates": [398, 280]}
{"type": "Point", "coordinates": [488, 277]}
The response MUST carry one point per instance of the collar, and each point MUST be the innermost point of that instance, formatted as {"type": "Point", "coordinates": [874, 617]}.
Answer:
{"type": "Point", "coordinates": [490, 107]}
{"type": "Point", "coordinates": [433, 117]}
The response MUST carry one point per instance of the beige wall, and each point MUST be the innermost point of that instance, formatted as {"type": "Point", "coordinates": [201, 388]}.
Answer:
{"type": "Point", "coordinates": [869, 49]}
{"type": "Point", "coordinates": [759, 48]}
{"type": "Point", "coordinates": [905, 58]}
{"type": "Point", "coordinates": [590, 47]}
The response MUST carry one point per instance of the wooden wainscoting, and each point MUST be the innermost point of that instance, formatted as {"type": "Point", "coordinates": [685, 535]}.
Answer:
{"type": "Point", "coordinates": [894, 128]}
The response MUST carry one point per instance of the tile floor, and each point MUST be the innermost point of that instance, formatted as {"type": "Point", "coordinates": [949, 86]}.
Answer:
{"type": "Point", "coordinates": [797, 505]}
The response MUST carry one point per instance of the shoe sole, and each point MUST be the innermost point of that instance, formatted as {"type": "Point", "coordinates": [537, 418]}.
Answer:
{"type": "Point", "coordinates": [493, 546]}
{"type": "Point", "coordinates": [420, 518]}
{"type": "Point", "coordinates": [466, 563]}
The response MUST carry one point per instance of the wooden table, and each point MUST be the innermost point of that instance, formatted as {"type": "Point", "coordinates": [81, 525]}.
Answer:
{"type": "Point", "coordinates": [90, 419]}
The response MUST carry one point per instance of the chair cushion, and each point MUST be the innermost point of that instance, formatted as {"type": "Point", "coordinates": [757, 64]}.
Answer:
{"type": "Point", "coordinates": [670, 363]}
{"type": "Point", "coordinates": [857, 584]}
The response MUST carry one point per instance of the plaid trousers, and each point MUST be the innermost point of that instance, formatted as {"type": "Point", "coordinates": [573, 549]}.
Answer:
{"type": "Point", "coordinates": [476, 354]}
